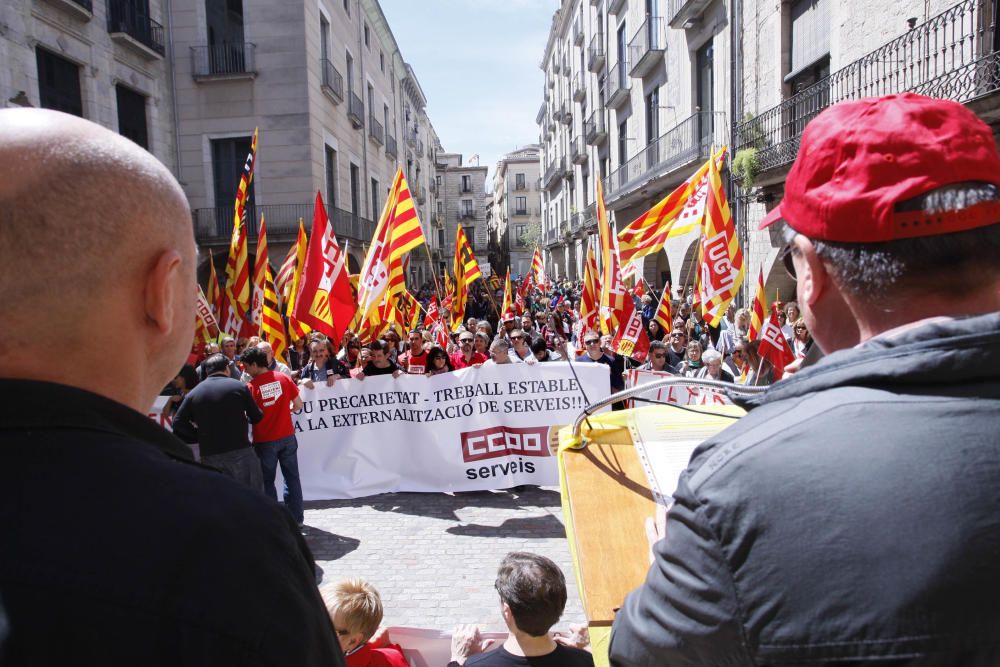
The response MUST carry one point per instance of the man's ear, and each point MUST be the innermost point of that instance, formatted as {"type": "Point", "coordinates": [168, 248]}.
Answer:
{"type": "Point", "coordinates": [162, 299]}
{"type": "Point", "coordinates": [812, 276]}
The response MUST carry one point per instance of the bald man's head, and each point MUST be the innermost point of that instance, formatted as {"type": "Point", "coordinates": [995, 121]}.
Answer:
{"type": "Point", "coordinates": [85, 217]}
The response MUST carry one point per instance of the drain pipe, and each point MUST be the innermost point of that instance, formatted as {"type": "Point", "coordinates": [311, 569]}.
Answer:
{"type": "Point", "coordinates": [173, 89]}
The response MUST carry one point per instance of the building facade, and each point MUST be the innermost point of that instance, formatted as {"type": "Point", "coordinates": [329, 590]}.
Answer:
{"type": "Point", "coordinates": [461, 202]}
{"type": "Point", "coordinates": [516, 222]}
{"type": "Point", "coordinates": [105, 61]}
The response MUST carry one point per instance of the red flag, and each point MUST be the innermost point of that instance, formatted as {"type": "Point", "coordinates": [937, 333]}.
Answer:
{"type": "Point", "coordinates": [631, 339]}
{"type": "Point", "coordinates": [639, 290]}
{"type": "Point", "coordinates": [432, 312]}
{"type": "Point", "coordinates": [773, 346]}
{"type": "Point", "coordinates": [325, 301]}
{"type": "Point", "coordinates": [758, 309]}
{"type": "Point", "coordinates": [664, 311]}
{"type": "Point", "coordinates": [214, 293]}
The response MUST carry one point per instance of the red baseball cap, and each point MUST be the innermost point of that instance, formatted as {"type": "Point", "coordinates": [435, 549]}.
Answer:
{"type": "Point", "coordinates": [859, 158]}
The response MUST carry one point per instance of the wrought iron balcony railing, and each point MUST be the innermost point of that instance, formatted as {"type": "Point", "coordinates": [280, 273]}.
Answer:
{"type": "Point", "coordinates": [578, 151]}
{"type": "Point", "coordinates": [689, 141]}
{"type": "Point", "coordinates": [616, 85]}
{"type": "Point", "coordinates": [593, 129]}
{"type": "Point", "coordinates": [595, 53]}
{"type": "Point", "coordinates": [215, 225]}
{"type": "Point", "coordinates": [126, 18]}
{"type": "Point", "coordinates": [647, 46]}
{"type": "Point", "coordinates": [579, 86]}
{"type": "Point", "coordinates": [952, 55]}
{"type": "Point", "coordinates": [375, 130]}
{"type": "Point", "coordinates": [578, 31]}
{"type": "Point", "coordinates": [355, 111]}
{"type": "Point", "coordinates": [222, 60]}
{"type": "Point", "coordinates": [390, 146]}
{"type": "Point", "coordinates": [686, 13]}
{"type": "Point", "coordinates": [333, 83]}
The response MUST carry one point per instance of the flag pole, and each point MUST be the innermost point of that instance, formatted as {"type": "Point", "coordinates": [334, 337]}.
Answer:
{"type": "Point", "coordinates": [489, 295]}
{"type": "Point", "coordinates": [437, 284]}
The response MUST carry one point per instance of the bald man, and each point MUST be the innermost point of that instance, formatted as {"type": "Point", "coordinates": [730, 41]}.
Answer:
{"type": "Point", "coordinates": [117, 548]}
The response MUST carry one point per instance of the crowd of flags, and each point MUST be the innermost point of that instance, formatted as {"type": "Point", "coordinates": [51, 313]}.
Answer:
{"type": "Point", "coordinates": [313, 290]}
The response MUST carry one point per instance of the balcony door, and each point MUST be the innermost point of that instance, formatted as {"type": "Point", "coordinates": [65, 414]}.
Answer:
{"type": "Point", "coordinates": [704, 82]}
{"type": "Point", "coordinates": [228, 159]}
{"type": "Point", "coordinates": [224, 20]}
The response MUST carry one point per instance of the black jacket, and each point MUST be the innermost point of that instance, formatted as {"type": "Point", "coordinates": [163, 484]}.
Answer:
{"type": "Point", "coordinates": [215, 414]}
{"type": "Point", "coordinates": [853, 515]}
{"type": "Point", "coordinates": [117, 549]}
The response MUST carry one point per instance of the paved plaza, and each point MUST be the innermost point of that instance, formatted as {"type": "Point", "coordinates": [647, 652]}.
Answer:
{"type": "Point", "coordinates": [434, 556]}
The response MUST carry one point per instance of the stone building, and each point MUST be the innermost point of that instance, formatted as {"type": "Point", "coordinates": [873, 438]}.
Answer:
{"type": "Point", "coordinates": [516, 212]}
{"type": "Point", "coordinates": [105, 61]}
{"type": "Point", "coordinates": [461, 201]}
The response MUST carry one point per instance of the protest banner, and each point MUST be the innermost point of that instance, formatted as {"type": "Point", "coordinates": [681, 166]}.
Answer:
{"type": "Point", "coordinates": [678, 394]}
{"type": "Point", "coordinates": [470, 430]}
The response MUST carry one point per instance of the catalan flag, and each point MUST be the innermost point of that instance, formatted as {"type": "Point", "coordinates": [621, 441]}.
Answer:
{"type": "Point", "coordinates": [296, 329]}
{"type": "Point", "coordinates": [538, 269]}
{"type": "Point", "coordinates": [214, 293]}
{"type": "Point", "coordinates": [664, 311]}
{"type": "Point", "coordinates": [612, 302]}
{"type": "Point", "coordinates": [508, 296]}
{"type": "Point", "coordinates": [461, 285]}
{"type": "Point", "coordinates": [237, 291]}
{"type": "Point", "coordinates": [720, 259]}
{"type": "Point", "coordinates": [286, 272]}
{"type": "Point", "coordinates": [398, 232]}
{"type": "Point", "coordinates": [411, 310]}
{"type": "Point", "coordinates": [676, 214]}
{"type": "Point", "coordinates": [470, 267]}
{"type": "Point", "coordinates": [260, 269]}
{"type": "Point", "coordinates": [759, 308]}
{"type": "Point", "coordinates": [272, 328]}
{"type": "Point", "coordinates": [591, 293]}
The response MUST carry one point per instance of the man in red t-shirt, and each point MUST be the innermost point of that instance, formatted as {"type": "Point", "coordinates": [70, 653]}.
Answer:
{"type": "Point", "coordinates": [466, 357]}
{"type": "Point", "coordinates": [414, 360]}
{"type": "Point", "coordinates": [274, 435]}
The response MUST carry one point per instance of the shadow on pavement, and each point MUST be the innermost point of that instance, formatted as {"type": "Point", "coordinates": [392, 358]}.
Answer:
{"type": "Point", "coordinates": [535, 527]}
{"type": "Point", "coordinates": [328, 546]}
{"type": "Point", "coordinates": [444, 505]}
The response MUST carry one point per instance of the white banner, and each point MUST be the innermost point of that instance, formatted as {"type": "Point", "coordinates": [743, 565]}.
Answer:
{"type": "Point", "coordinates": [679, 394]}
{"type": "Point", "coordinates": [474, 429]}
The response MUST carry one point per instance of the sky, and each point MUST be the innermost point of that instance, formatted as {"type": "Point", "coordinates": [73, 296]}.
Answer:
{"type": "Point", "coordinates": [477, 63]}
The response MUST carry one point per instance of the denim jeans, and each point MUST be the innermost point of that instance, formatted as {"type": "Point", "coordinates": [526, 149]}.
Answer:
{"type": "Point", "coordinates": [282, 452]}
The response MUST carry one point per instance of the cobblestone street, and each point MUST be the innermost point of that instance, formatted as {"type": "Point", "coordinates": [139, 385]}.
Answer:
{"type": "Point", "coordinates": [434, 556]}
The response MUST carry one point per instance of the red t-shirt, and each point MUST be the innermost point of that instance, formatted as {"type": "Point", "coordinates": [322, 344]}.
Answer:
{"type": "Point", "coordinates": [273, 393]}
{"type": "Point", "coordinates": [369, 656]}
{"type": "Point", "coordinates": [458, 360]}
{"type": "Point", "coordinates": [415, 364]}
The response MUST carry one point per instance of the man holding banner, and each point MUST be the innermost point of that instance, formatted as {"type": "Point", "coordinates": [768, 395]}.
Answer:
{"type": "Point", "coordinates": [850, 517]}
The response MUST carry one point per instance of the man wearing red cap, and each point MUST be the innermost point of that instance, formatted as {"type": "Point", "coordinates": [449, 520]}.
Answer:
{"type": "Point", "coordinates": [851, 516]}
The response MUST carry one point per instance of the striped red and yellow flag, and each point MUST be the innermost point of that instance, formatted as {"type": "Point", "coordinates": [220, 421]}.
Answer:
{"type": "Point", "coordinates": [470, 267]}
{"type": "Point", "coordinates": [260, 270]}
{"type": "Point", "coordinates": [461, 286]}
{"type": "Point", "coordinates": [411, 310]}
{"type": "Point", "coordinates": [508, 296]}
{"type": "Point", "coordinates": [676, 214]}
{"type": "Point", "coordinates": [286, 272]}
{"type": "Point", "coordinates": [236, 295]}
{"type": "Point", "coordinates": [296, 329]}
{"type": "Point", "coordinates": [591, 293]}
{"type": "Point", "coordinates": [664, 311]}
{"type": "Point", "coordinates": [398, 232]}
{"type": "Point", "coordinates": [611, 307]}
{"type": "Point", "coordinates": [272, 328]}
{"type": "Point", "coordinates": [214, 293]}
{"type": "Point", "coordinates": [759, 309]}
{"type": "Point", "coordinates": [720, 259]}
{"type": "Point", "coordinates": [538, 268]}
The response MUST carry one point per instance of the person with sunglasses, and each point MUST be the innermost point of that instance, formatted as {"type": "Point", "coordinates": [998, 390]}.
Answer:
{"type": "Point", "coordinates": [466, 355]}
{"type": "Point", "coordinates": [520, 345]}
{"type": "Point", "coordinates": [657, 358]}
{"type": "Point", "coordinates": [850, 517]}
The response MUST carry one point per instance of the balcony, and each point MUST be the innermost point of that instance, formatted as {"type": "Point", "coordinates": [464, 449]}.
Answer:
{"type": "Point", "coordinates": [391, 149]}
{"type": "Point", "coordinates": [688, 142]}
{"type": "Point", "coordinates": [579, 87]}
{"type": "Point", "coordinates": [375, 130]}
{"type": "Point", "coordinates": [555, 64]}
{"type": "Point", "coordinates": [355, 110]}
{"type": "Point", "coordinates": [223, 61]}
{"type": "Point", "coordinates": [578, 152]}
{"type": "Point", "coordinates": [550, 80]}
{"type": "Point", "coordinates": [615, 6]}
{"type": "Point", "coordinates": [465, 189]}
{"type": "Point", "coordinates": [595, 53]}
{"type": "Point", "coordinates": [952, 55]}
{"type": "Point", "coordinates": [616, 86]}
{"type": "Point", "coordinates": [467, 214]}
{"type": "Point", "coordinates": [553, 173]}
{"type": "Point", "coordinates": [648, 45]}
{"type": "Point", "coordinates": [578, 31]}
{"type": "Point", "coordinates": [81, 9]}
{"type": "Point", "coordinates": [419, 148]}
{"type": "Point", "coordinates": [214, 226]}
{"type": "Point", "coordinates": [567, 169]}
{"type": "Point", "coordinates": [521, 186]}
{"type": "Point", "coordinates": [567, 113]}
{"type": "Point", "coordinates": [411, 138]}
{"type": "Point", "coordinates": [333, 83]}
{"type": "Point", "coordinates": [594, 130]}
{"type": "Point", "coordinates": [135, 29]}
{"type": "Point", "coordinates": [589, 218]}
{"type": "Point", "coordinates": [418, 192]}
{"type": "Point", "coordinates": [687, 13]}
{"type": "Point", "coordinates": [433, 187]}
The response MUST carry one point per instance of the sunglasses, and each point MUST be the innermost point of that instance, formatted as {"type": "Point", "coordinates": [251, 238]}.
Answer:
{"type": "Point", "coordinates": [786, 259]}
{"type": "Point", "coordinates": [800, 328]}
{"type": "Point", "coordinates": [465, 340]}
{"type": "Point", "coordinates": [591, 342]}
{"type": "Point", "coordinates": [516, 337]}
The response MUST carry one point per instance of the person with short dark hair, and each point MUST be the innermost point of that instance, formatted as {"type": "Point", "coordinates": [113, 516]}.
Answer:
{"type": "Point", "coordinates": [379, 362]}
{"type": "Point", "coordinates": [466, 355]}
{"type": "Point", "coordinates": [322, 367]}
{"type": "Point", "coordinates": [216, 415]}
{"type": "Point", "coordinates": [438, 361]}
{"type": "Point", "coordinates": [532, 592]}
{"type": "Point", "coordinates": [541, 351]}
{"type": "Point", "coordinates": [851, 516]}
{"type": "Point", "coordinates": [657, 358]}
{"type": "Point", "coordinates": [414, 360]}
{"type": "Point", "coordinates": [274, 435]}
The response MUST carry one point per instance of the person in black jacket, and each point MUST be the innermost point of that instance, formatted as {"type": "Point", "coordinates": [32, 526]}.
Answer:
{"type": "Point", "coordinates": [117, 548]}
{"type": "Point", "coordinates": [216, 415]}
{"type": "Point", "coordinates": [851, 516]}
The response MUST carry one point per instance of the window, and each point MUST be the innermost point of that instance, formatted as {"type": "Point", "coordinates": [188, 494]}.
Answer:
{"type": "Point", "coordinates": [368, 42]}
{"type": "Point", "coordinates": [466, 208]}
{"type": "Point", "coordinates": [324, 38]}
{"type": "Point", "coordinates": [132, 116]}
{"type": "Point", "coordinates": [519, 181]}
{"type": "Point", "coordinates": [331, 177]}
{"type": "Point", "coordinates": [228, 158]}
{"type": "Point", "coordinates": [466, 183]}
{"type": "Point", "coordinates": [371, 99]}
{"type": "Point", "coordinates": [441, 241]}
{"type": "Point", "coordinates": [585, 177]}
{"type": "Point", "coordinates": [385, 116]}
{"type": "Point", "coordinates": [521, 206]}
{"type": "Point", "coordinates": [440, 207]}
{"type": "Point", "coordinates": [375, 205]}
{"type": "Point", "coordinates": [381, 61]}
{"type": "Point", "coordinates": [58, 83]}
{"type": "Point", "coordinates": [347, 8]}
{"type": "Point", "coordinates": [622, 56]}
{"type": "Point", "coordinates": [355, 190]}
{"type": "Point", "coordinates": [438, 179]}
{"type": "Point", "coordinates": [350, 73]}
{"type": "Point", "coordinates": [652, 116]}
{"type": "Point", "coordinates": [519, 232]}
{"type": "Point", "coordinates": [622, 143]}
